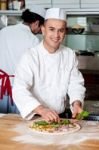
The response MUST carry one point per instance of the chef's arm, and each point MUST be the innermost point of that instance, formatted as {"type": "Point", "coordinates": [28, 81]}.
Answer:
{"type": "Point", "coordinates": [76, 89]}
{"type": "Point", "coordinates": [76, 108]}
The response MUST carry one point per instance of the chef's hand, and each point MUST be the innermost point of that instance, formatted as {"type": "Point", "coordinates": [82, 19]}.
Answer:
{"type": "Point", "coordinates": [77, 108]}
{"type": "Point", "coordinates": [47, 114]}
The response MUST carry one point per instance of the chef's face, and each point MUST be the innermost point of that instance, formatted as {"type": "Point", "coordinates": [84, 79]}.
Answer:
{"type": "Point", "coordinates": [54, 32]}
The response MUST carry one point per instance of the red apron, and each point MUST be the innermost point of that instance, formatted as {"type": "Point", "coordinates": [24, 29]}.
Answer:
{"type": "Point", "coordinates": [6, 87]}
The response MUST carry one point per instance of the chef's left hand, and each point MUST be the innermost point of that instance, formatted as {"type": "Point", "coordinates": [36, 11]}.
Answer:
{"type": "Point", "coordinates": [77, 108]}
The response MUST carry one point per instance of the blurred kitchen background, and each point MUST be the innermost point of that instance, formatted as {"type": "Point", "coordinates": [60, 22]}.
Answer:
{"type": "Point", "coordinates": [82, 36]}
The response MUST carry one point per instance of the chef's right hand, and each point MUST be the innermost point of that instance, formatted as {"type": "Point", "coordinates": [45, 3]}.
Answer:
{"type": "Point", "coordinates": [47, 114]}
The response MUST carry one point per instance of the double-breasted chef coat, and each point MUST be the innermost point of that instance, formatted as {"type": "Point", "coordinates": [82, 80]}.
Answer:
{"type": "Point", "coordinates": [46, 78]}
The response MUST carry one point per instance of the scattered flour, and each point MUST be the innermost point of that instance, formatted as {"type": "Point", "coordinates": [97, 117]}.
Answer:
{"type": "Point", "coordinates": [88, 131]}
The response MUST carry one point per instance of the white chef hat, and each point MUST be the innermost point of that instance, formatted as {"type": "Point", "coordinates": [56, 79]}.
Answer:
{"type": "Point", "coordinates": [55, 13]}
{"type": "Point", "coordinates": [38, 10]}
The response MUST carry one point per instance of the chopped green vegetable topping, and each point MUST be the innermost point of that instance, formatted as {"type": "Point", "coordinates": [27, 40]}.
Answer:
{"type": "Point", "coordinates": [65, 122]}
{"type": "Point", "coordinates": [54, 124]}
{"type": "Point", "coordinates": [82, 115]}
{"type": "Point", "coordinates": [42, 122]}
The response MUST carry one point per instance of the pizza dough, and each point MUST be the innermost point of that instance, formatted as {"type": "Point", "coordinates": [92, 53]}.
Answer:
{"type": "Point", "coordinates": [64, 127]}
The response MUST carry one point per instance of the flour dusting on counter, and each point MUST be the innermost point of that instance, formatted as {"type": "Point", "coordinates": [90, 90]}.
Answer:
{"type": "Point", "coordinates": [1, 115]}
{"type": "Point", "coordinates": [89, 129]}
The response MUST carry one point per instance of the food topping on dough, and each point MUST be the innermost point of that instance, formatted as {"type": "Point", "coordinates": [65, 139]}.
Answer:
{"type": "Point", "coordinates": [62, 126]}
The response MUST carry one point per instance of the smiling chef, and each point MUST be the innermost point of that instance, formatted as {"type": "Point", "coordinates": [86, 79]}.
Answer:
{"type": "Point", "coordinates": [48, 73]}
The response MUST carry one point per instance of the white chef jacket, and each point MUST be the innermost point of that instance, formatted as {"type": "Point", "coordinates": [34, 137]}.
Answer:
{"type": "Point", "coordinates": [14, 41]}
{"type": "Point", "coordinates": [45, 78]}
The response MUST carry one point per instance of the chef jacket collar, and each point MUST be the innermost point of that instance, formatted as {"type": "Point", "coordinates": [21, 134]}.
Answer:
{"type": "Point", "coordinates": [46, 52]}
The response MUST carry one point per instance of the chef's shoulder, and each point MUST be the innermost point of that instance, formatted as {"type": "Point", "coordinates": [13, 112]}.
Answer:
{"type": "Point", "coordinates": [7, 29]}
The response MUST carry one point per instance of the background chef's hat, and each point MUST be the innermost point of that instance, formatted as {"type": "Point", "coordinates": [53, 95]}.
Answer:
{"type": "Point", "coordinates": [55, 13]}
{"type": "Point", "coordinates": [38, 10]}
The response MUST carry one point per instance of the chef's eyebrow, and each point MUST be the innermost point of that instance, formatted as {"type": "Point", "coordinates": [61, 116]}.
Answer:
{"type": "Point", "coordinates": [60, 29]}
{"type": "Point", "coordinates": [51, 27]}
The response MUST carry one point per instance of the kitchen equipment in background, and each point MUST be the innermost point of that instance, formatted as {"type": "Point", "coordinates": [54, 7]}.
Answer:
{"type": "Point", "coordinates": [3, 4]}
{"type": "Point", "coordinates": [3, 21]}
{"type": "Point", "coordinates": [85, 53]}
{"type": "Point", "coordinates": [10, 4]}
{"type": "Point", "coordinates": [97, 53]}
{"type": "Point", "coordinates": [94, 28]}
{"type": "Point", "coordinates": [93, 24]}
{"type": "Point", "coordinates": [93, 117]}
{"type": "Point", "coordinates": [16, 5]}
{"type": "Point", "coordinates": [78, 29]}
{"type": "Point", "coordinates": [93, 108]}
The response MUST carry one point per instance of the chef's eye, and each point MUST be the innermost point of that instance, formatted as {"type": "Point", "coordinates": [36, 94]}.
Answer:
{"type": "Point", "coordinates": [51, 29]}
{"type": "Point", "coordinates": [61, 30]}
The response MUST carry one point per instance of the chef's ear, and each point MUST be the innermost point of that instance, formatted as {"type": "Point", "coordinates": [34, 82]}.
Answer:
{"type": "Point", "coordinates": [37, 22]}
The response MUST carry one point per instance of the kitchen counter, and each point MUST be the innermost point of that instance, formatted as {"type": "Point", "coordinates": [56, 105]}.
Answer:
{"type": "Point", "coordinates": [15, 134]}
{"type": "Point", "coordinates": [89, 66]}
{"type": "Point", "coordinates": [92, 106]}
{"type": "Point", "coordinates": [88, 63]}
{"type": "Point", "coordinates": [90, 71]}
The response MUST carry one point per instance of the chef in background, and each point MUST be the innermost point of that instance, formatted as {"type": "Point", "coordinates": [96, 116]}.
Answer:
{"type": "Point", "coordinates": [47, 73]}
{"type": "Point", "coordinates": [14, 41]}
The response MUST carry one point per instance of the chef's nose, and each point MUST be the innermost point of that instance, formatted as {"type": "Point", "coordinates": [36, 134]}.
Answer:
{"type": "Point", "coordinates": [56, 33]}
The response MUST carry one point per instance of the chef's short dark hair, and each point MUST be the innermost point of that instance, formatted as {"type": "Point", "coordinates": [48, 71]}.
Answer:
{"type": "Point", "coordinates": [30, 17]}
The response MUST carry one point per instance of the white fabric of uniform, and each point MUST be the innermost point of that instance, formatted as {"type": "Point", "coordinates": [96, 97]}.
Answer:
{"type": "Point", "coordinates": [38, 10]}
{"type": "Point", "coordinates": [45, 78]}
{"type": "Point", "coordinates": [55, 13]}
{"type": "Point", "coordinates": [14, 41]}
